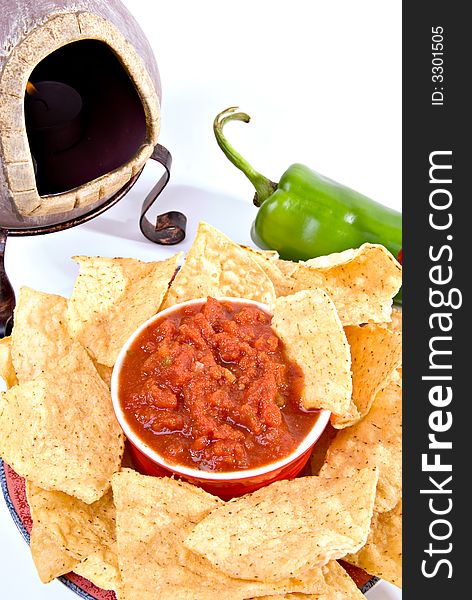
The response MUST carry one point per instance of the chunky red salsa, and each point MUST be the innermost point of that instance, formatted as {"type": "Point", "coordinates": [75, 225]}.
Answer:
{"type": "Point", "coordinates": [210, 387]}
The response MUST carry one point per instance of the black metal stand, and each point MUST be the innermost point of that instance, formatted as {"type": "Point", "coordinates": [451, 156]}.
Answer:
{"type": "Point", "coordinates": [170, 227]}
{"type": "Point", "coordinates": [7, 295]}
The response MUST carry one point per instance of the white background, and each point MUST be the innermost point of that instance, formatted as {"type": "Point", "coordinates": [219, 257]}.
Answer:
{"type": "Point", "coordinates": [322, 82]}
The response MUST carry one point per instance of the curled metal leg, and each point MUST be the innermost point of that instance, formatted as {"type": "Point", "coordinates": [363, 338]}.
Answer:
{"type": "Point", "coordinates": [7, 295]}
{"type": "Point", "coordinates": [170, 227]}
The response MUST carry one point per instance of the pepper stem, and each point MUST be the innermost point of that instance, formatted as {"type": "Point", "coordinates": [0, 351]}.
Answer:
{"type": "Point", "coordinates": [264, 186]}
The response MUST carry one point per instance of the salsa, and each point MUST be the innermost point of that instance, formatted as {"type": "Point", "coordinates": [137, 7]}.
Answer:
{"type": "Point", "coordinates": [210, 387]}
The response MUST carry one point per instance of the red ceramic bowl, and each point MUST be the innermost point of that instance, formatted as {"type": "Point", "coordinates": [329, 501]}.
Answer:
{"type": "Point", "coordinates": [228, 484]}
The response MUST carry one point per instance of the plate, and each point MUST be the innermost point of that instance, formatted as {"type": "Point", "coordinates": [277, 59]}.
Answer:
{"type": "Point", "coordinates": [14, 492]}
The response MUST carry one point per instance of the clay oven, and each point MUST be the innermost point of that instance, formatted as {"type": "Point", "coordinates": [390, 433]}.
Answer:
{"type": "Point", "coordinates": [95, 48]}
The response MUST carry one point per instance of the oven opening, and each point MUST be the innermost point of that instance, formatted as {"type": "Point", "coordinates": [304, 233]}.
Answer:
{"type": "Point", "coordinates": [83, 116]}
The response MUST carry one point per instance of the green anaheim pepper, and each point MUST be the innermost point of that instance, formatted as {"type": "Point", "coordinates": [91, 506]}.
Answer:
{"type": "Point", "coordinates": [306, 214]}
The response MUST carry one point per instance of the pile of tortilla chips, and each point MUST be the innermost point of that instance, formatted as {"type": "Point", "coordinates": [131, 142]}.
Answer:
{"type": "Point", "coordinates": [159, 538]}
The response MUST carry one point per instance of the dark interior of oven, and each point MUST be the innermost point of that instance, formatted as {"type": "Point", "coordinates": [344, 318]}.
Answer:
{"type": "Point", "coordinates": [113, 118]}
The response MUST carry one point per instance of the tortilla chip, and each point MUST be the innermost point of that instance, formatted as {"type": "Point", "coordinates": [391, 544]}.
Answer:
{"type": "Point", "coordinates": [60, 431]}
{"type": "Point", "coordinates": [154, 515]}
{"type": "Point", "coordinates": [272, 254]}
{"type": "Point", "coordinates": [361, 282]}
{"type": "Point", "coordinates": [396, 324]}
{"type": "Point", "coordinates": [320, 449]}
{"type": "Point", "coordinates": [50, 561]}
{"type": "Point", "coordinates": [376, 353]}
{"type": "Point", "coordinates": [398, 376]}
{"type": "Point", "coordinates": [347, 419]}
{"type": "Point", "coordinates": [376, 441]}
{"type": "Point", "coordinates": [286, 526]}
{"type": "Point", "coordinates": [69, 535]}
{"type": "Point", "coordinates": [112, 297]}
{"type": "Point", "coordinates": [216, 266]}
{"type": "Point", "coordinates": [104, 372]}
{"type": "Point", "coordinates": [340, 584]}
{"type": "Point", "coordinates": [308, 324]}
{"type": "Point", "coordinates": [7, 370]}
{"type": "Point", "coordinates": [271, 267]}
{"type": "Point", "coordinates": [287, 267]}
{"type": "Point", "coordinates": [339, 587]}
{"type": "Point", "coordinates": [100, 571]}
{"type": "Point", "coordinates": [40, 337]}
{"type": "Point", "coordinates": [382, 553]}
